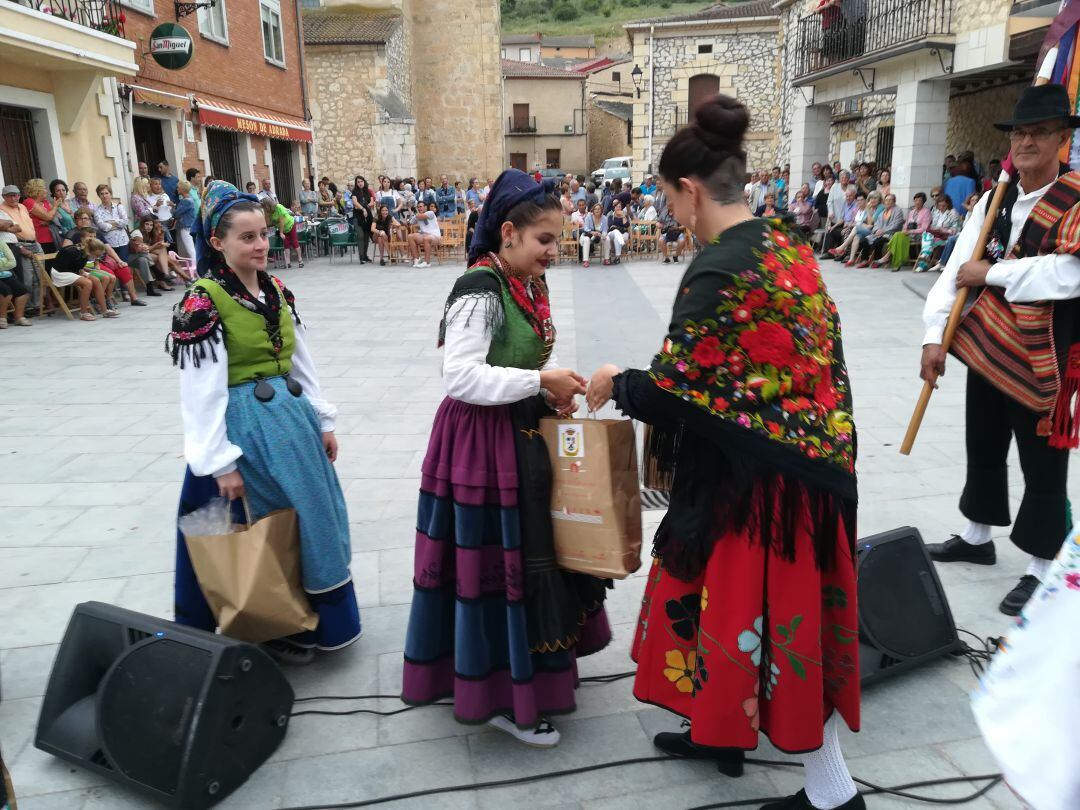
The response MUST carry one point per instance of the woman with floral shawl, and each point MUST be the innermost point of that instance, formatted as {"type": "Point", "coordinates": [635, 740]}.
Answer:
{"type": "Point", "coordinates": [748, 624]}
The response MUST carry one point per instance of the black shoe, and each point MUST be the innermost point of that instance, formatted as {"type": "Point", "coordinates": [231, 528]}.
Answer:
{"type": "Point", "coordinates": [1015, 599]}
{"type": "Point", "coordinates": [667, 261]}
{"type": "Point", "coordinates": [382, 262]}
{"type": "Point", "coordinates": [138, 302]}
{"type": "Point", "coordinates": [729, 761]}
{"type": "Point", "coordinates": [153, 291]}
{"type": "Point", "coordinates": [956, 550]}
{"type": "Point", "coordinates": [800, 802]}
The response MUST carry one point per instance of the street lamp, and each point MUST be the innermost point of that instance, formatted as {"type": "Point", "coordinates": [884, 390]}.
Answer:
{"type": "Point", "coordinates": [636, 75]}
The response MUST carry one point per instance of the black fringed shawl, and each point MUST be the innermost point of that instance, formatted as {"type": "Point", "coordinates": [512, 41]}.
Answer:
{"type": "Point", "coordinates": [749, 403]}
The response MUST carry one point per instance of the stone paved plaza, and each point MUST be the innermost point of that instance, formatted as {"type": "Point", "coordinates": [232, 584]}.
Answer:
{"type": "Point", "coordinates": [90, 465]}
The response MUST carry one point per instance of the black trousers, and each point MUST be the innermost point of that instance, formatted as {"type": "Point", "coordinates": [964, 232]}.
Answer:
{"type": "Point", "coordinates": [993, 419]}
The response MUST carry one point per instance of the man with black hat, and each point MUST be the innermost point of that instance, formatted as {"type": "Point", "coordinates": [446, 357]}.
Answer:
{"type": "Point", "coordinates": [1014, 340]}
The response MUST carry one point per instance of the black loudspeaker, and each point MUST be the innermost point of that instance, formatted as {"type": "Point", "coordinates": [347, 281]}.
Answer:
{"type": "Point", "coordinates": [904, 617]}
{"type": "Point", "coordinates": [182, 715]}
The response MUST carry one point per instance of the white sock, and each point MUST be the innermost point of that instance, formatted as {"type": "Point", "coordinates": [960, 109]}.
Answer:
{"type": "Point", "coordinates": [828, 783]}
{"type": "Point", "coordinates": [1038, 568]}
{"type": "Point", "coordinates": [976, 534]}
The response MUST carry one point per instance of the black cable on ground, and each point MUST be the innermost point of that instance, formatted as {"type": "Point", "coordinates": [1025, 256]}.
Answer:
{"type": "Point", "coordinates": [975, 657]}
{"type": "Point", "coordinates": [522, 780]}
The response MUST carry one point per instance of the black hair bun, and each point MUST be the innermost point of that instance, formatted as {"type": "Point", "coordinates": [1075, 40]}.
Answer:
{"type": "Point", "coordinates": [721, 122]}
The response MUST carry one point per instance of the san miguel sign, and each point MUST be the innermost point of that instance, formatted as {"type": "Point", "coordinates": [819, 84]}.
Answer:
{"type": "Point", "coordinates": [171, 46]}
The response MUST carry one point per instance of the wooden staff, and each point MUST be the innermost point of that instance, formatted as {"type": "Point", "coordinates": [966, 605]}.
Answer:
{"type": "Point", "coordinates": [957, 312]}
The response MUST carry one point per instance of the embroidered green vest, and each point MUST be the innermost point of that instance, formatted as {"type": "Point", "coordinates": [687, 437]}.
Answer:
{"type": "Point", "coordinates": [251, 354]}
{"type": "Point", "coordinates": [514, 344]}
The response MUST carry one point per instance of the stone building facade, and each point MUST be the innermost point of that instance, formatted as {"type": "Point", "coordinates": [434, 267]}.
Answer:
{"type": "Point", "coordinates": [729, 49]}
{"type": "Point", "coordinates": [931, 81]}
{"type": "Point", "coordinates": [380, 102]}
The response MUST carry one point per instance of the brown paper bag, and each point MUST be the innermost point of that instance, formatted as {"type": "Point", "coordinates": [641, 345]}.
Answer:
{"type": "Point", "coordinates": [595, 498]}
{"type": "Point", "coordinates": [251, 578]}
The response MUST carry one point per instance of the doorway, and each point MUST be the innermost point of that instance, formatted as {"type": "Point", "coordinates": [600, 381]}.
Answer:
{"type": "Point", "coordinates": [519, 160]}
{"type": "Point", "coordinates": [285, 185]}
{"type": "Point", "coordinates": [18, 149]}
{"type": "Point", "coordinates": [702, 87]}
{"type": "Point", "coordinates": [149, 141]}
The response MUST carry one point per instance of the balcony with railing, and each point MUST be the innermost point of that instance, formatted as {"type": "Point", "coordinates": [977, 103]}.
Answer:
{"type": "Point", "coordinates": [521, 125]}
{"type": "Point", "coordinates": [78, 42]}
{"type": "Point", "coordinates": [850, 33]}
{"type": "Point", "coordinates": [106, 16]}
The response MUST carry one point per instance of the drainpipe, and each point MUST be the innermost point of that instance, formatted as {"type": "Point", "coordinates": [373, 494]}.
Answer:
{"type": "Point", "coordinates": [303, 88]}
{"type": "Point", "coordinates": [652, 113]}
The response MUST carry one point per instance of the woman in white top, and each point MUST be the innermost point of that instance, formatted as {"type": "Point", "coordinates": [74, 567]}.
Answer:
{"type": "Point", "coordinates": [160, 204]}
{"type": "Point", "coordinates": [256, 425]}
{"type": "Point", "coordinates": [495, 623]}
{"type": "Point", "coordinates": [427, 238]}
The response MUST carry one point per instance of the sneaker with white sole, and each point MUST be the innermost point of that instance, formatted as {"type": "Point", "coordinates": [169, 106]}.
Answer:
{"type": "Point", "coordinates": [422, 265]}
{"type": "Point", "coordinates": [543, 735]}
{"type": "Point", "coordinates": [416, 262]}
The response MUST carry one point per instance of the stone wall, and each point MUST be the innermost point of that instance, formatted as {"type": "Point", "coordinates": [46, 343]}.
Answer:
{"type": "Point", "coordinates": [457, 86]}
{"type": "Point", "coordinates": [877, 111]}
{"type": "Point", "coordinates": [971, 119]}
{"type": "Point", "coordinates": [786, 44]}
{"type": "Point", "coordinates": [744, 59]}
{"type": "Point", "coordinates": [352, 133]}
{"type": "Point", "coordinates": [607, 137]}
{"type": "Point", "coordinates": [971, 15]}
{"type": "Point", "coordinates": [399, 65]}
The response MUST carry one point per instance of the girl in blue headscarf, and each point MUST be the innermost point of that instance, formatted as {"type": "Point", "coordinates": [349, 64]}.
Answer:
{"type": "Point", "coordinates": [495, 624]}
{"type": "Point", "coordinates": [255, 422]}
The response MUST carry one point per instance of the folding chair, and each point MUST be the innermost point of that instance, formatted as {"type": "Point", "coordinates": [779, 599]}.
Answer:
{"type": "Point", "coordinates": [48, 287]}
{"type": "Point", "coordinates": [569, 247]}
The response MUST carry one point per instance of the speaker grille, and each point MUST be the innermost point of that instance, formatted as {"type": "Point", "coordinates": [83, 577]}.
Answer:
{"type": "Point", "coordinates": [146, 709]}
{"type": "Point", "coordinates": [900, 601]}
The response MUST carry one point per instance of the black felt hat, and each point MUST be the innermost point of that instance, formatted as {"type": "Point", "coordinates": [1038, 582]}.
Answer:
{"type": "Point", "coordinates": [1042, 103]}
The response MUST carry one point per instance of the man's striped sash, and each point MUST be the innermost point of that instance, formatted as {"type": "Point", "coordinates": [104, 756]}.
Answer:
{"type": "Point", "coordinates": [1012, 345]}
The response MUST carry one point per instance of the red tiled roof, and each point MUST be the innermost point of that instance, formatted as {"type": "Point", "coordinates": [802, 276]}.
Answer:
{"type": "Point", "coordinates": [512, 69]}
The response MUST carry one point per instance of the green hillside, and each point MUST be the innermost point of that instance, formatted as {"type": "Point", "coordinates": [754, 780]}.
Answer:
{"type": "Point", "coordinates": [602, 18]}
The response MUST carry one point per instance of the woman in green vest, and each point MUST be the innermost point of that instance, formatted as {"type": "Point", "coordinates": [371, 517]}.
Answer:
{"type": "Point", "coordinates": [495, 624]}
{"type": "Point", "coordinates": [255, 423]}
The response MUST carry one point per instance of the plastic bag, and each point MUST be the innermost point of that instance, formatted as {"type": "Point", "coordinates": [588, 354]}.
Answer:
{"type": "Point", "coordinates": [214, 518]}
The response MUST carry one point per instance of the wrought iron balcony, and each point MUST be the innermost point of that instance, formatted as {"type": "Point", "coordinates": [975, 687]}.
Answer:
{"type": "Point", "coordinates": [521, 125]}
{"type": "Point", "coordinates": [106, 16]}
{"type": "Point", "coordinates": [850, 33]}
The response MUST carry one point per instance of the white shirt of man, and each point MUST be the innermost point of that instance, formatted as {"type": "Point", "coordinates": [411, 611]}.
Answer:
{"type": "Point", "coordinates": [266, 195]}
{"type": "Point", "coordinates": [1055, 277]}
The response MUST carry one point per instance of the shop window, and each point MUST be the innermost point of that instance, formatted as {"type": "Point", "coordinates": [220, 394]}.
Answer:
{"type": "Point", "coordinates": [224, 156]}
{"type": "Point", "coordinates": [18, 149]}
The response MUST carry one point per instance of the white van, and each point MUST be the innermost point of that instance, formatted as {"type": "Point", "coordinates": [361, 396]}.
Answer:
{"type": "Point", "coordinates": [612, 168]}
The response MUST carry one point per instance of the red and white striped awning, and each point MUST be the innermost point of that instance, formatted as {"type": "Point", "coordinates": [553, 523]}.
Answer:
{"type": "Point", "coordinates": [254, 122]}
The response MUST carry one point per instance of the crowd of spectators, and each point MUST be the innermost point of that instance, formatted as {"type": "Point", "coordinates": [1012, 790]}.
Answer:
{"type": "Point", "coordinates": [856, 216]}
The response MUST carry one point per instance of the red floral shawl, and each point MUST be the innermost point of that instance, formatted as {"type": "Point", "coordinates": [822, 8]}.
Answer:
{"type": "Point", "coordinates": [755, 343]}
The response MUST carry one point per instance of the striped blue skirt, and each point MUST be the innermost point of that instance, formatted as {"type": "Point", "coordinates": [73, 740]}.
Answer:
{"type": "Point", "coordinates": [284, 466]}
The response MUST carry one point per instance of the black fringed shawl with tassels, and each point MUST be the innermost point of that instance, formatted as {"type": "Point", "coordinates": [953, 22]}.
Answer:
{"type": "Point", "coordinates": [748, 403]}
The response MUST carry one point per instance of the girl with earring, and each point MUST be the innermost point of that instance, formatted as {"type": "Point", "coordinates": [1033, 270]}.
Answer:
{"type": "Point", "coordinates": [255, 423]}
{"type": "Point", "coordinates": [749, 623]}
{"type": "Point", "coordinates": [495, 624]}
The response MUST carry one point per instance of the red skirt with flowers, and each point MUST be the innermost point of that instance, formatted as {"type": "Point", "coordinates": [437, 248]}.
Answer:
{"type": "Point", "coordinates": [754, 643]}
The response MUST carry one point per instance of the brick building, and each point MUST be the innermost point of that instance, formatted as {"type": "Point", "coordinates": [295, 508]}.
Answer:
{"type": "Point", "coordinates": [237, 110]}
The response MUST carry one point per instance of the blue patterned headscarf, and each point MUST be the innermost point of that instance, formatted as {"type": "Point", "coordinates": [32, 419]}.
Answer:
{"type": "Point", "coordinates": [220, 197]}
{"type": "Point", "coordinates": [510, 188]}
